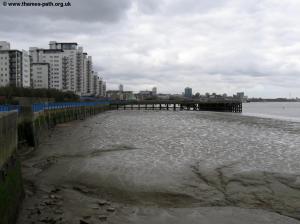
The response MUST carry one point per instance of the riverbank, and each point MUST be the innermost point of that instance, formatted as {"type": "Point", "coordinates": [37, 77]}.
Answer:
{"type": "Point", "coordinates": [141, 167]}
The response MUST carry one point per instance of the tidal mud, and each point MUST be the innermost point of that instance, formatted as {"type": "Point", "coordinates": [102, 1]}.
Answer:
{"type": "Point", "coordinates": [165, 167]}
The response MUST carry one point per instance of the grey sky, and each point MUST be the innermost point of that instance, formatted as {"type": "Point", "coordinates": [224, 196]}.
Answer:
{"type": "Point", "coordinates": [212, 46]}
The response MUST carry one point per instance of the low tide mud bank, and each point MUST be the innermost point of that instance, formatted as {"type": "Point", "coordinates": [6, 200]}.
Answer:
{"type": "Point", "coordinates": [163, 167]}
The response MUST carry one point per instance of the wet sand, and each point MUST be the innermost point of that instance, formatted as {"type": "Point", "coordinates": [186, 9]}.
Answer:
{"type": "Point", "coordinates": [165, 167]}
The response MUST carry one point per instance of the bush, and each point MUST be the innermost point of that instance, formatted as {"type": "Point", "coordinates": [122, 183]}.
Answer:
{"type": "Point", "coordinates": [8, 93]}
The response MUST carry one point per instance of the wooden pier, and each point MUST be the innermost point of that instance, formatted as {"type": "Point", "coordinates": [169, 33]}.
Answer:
{"type": "Point", "coordinates": [225, 105]}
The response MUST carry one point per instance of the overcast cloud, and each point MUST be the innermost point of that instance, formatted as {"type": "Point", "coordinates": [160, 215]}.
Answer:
{"type": "Point", "coordinates": [212, 46]}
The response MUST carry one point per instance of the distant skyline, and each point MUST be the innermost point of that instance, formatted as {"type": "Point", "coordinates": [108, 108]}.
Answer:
{"type": "Point", "coordinates": [222, 46]}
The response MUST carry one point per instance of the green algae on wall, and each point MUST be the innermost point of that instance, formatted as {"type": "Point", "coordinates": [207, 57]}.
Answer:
{"type": "Point", "coordinates": [11, 191]}
{"type": "Point", "coordinates": [11, 187]}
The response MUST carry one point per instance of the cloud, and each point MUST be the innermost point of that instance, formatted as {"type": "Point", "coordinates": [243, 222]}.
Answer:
{"type": "Point", "coordinates": [212, 46]}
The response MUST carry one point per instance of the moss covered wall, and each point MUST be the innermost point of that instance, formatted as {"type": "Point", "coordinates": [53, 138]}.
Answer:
{"type": "Point", "coordinates": [11, 187]}
{"type": "Point", "coordinates": [30, 130]}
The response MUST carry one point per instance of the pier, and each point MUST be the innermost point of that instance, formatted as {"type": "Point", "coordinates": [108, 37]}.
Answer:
{"type": "Point", "coordinates": [223, 105]}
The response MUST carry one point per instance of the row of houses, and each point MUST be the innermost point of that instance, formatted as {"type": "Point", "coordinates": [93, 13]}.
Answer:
{"type": "Point", "coordinates": [63, 66]}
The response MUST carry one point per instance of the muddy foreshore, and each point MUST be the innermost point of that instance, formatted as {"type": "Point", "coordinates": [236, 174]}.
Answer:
{"type": "Point", "coordinates": [77, 177]}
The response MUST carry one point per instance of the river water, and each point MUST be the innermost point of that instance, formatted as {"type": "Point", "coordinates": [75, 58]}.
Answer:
{"type": "Point", "coordinates": [277, 110]}
{"type": "Point", "coordinates": [177, 166]}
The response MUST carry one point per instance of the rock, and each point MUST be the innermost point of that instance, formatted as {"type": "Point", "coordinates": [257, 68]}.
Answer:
{"type": "Point", "coordinates": [83, 221]}
{"type": "Point", "coordinates": [110, 209]}
{"type": "Point", "coordinates": [52, 196]}
{"type": "Point", "coordinates": [87, 217]}
{"type": "Point", "coordinates": [58, 212]}
{"type": "Point", "coordinates": [102, 202]}
{"type": "Point", "coordinates": [102, 217]}
{"type": "Point", "coordinates": [55, 190]}
{"type": "Point", "coordinates": [48, 220]}
{"type": "Point", "coordinates": [81, 189]}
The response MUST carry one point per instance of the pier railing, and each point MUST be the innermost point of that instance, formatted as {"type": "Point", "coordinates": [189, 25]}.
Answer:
{"type": "Point", "coordinates": [38, 107]}
{"type": "Point", "coordinates": [7, 108]}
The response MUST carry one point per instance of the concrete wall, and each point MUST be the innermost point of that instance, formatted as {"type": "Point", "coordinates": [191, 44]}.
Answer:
{"type": "Point", "coordinates": [11, 187]}
{"type": "Point", "coordinates": [8, 135]}
{"type": "Point", "coordinates": [31, 130]}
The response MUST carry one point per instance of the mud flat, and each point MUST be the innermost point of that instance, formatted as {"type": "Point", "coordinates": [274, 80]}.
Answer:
{"type": "Point", "coordinates": [165, 167]}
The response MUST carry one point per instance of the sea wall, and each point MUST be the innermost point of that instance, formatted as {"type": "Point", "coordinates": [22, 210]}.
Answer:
{"type": "Point", "coordinates": [11, 187]}
{"type": "Point", "coordinates": [32, 128]}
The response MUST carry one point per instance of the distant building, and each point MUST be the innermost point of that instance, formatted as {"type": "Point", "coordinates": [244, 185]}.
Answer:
{"type": "Point", "coordinates": [114, 94]}
{"type": "Point", "coordinates": [4, 45]}
{"type": "Point", "coordinates": [240, 95]}
{"type": "Point", "coordinates": [121, 88]}
{"type": "Point", "coordinates": [154, 91]}
{"type": "Point", "coordinates": [100, 89]}
{"type": "Point", "coordinates": [163, 96]}
{"type": "Point", "coordinates": [144, 95]}
{"type": "Point", "coordinates": [103, 89]}
{"type": "Point", "coordinates": [188, 92]}
{"type": "Point", "coordinates": [128, 95]}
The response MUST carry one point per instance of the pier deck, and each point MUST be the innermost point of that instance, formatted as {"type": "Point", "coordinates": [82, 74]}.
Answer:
{"type": "Point", "coordinates": [197, 105]}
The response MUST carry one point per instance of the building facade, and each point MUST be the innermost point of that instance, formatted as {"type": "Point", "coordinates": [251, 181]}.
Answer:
{"type": "Point", "coordinates": [14, 66]}
{"type": "Point", "coordinates": [64, 66]}
{"type": "Point", "coordinates": [4, 68]}
{"type": "Point", "coordinates": [40, 75]}
{"type": "Point", "coordinates": [188, 92]}
{"type": "Point", "coordinates": [26, 75]}
{"type": "Point", "coordinates": [57, 65]}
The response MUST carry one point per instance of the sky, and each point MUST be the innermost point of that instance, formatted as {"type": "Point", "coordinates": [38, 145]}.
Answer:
{"type": "Point", "coordinates": [222, 46]}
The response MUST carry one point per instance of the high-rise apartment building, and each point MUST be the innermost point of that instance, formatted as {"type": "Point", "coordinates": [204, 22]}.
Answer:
{"type": "Point", "coordinates": [154, 91]}
{"type": "Point", "coordinates": [121, 88]}
{"type": "Point", "coordinates": [70, 69]}
{"type": "Point", "coordinates": [88, 76]}
{"type": "Point", "coordinates": [188, 92]}
{"type": "Point", "coordinates": [57, 65]}
{"type": "Point", "coordinates": [26, 79]}
{"type": "Point", "coordinates": [64, 66]}
{"type": "Point", "coordinates": [14, 66]}
{"type": "Point", "coordinates": [40, 75]}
